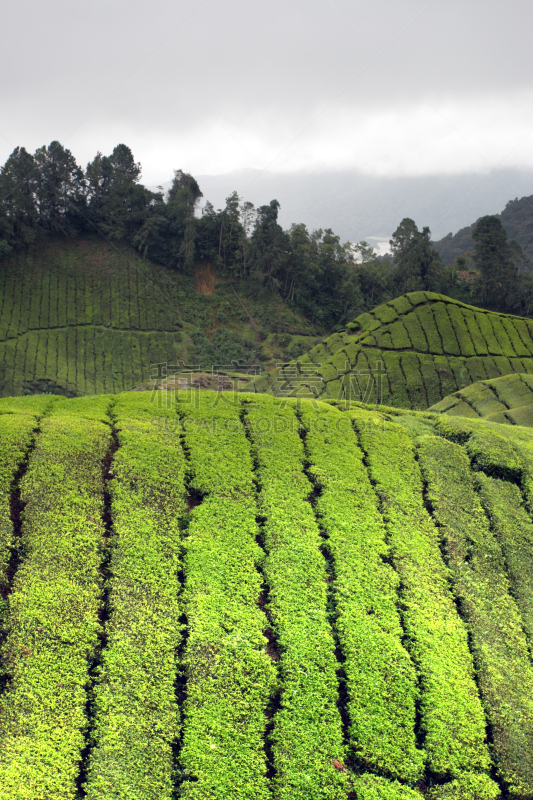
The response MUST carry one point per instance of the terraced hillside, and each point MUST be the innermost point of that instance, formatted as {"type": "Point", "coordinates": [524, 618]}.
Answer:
{"type": "Point", "coordinates": [410, 353]}
{"type": "Point", "coordinates": [81, 317]}
{"type": "Point", "coordinates": [233, 598]}
{"type": "Point", "coordinates": [508, 400]}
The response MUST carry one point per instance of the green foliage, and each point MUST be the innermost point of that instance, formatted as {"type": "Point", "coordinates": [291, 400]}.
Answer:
{"type": "Point", "coordinates": [506, 400]}
{"type": "Point", "coordinates": [52, 624]}
{"type": "Point", "coordinates": [229, 675]}
{"type": "Point", "coordinates": [306, 545]}
{"type": "Point", "coordinates": [510, 521]}
{"type": "Point", "coordinates": [496, 261]}
{"type": "Point", "coordinates": [381, 679]}
{"type": "Point", "coordinates": [470, 786]}
{"type": "Point", "coordinates": [445, 329]}
{"type": "Point", "coordinates": [417, 263]}
{"type": "Point", "coordinates": [135, 708]}
{"type": "Point", "coordinates": [224, 348]}
{"type": "Point", "coordinates": [372, 787]}
{"type": "Point", "coordinates": [451, 715]}
{"type": "Point", "coordinates": [85, 317]}
{"type": "Point", "coordinates": [16, 435]}
{"type": "Point", "coordinates": [415, 332]}
{"type": "Point", "coordinates": [59, 190]}
{"type": "Point", "coordinates": [414, 383]}
{"type": "Point", "coordinates": [17, 197]}
{"type": "Point", "coordinates": [307, 734]}
{"type": "Point", "coordinates": [504, 669]}
{"type": "Point", "coordinates": [435, 347]}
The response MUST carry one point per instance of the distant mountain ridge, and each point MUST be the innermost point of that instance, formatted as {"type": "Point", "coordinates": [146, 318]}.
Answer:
{"type": "Point", "coordinates": [358, 206]}
{"type": "Point", "coordinates": [516, 218]}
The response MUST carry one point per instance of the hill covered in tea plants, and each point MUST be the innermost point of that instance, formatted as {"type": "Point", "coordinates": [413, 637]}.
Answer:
{"type": "Point", "coordinates": [84, 316]}
{"type": "Point", "coordinates": [233, 598]}
{"type": "Point", "coordinates": [508, 400]}
{"type": "Point", "coordinates": [409, 353]}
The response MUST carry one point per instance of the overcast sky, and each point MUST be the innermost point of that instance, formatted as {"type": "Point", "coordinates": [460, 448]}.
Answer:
{"type": "Point", "coordinates": [391, 87]}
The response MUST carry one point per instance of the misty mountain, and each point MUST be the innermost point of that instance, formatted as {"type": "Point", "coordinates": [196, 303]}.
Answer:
{"type": "Point", "coordinates": [358, 206]}
{"type": "Point", "coordinates": [516, 218]}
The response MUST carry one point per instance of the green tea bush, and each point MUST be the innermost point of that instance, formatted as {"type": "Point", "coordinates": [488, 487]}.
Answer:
{"type": "Point", "coordinates": [470, 786]}
{"type": "Point", "coordinates": [452, 720]}
{"type": "Point", "coordinates": [229, 675]}
{"type": "Point", "coordinates": [415, 332]}
{"type": "Point", "coordinates": [372, 787]}
{"type": "Point", "coordinates": [136, 720]}
{"type": "Point", "coordinates": [504, 669]}
{"type": "Point", "coordinates": [512, 525]}
{"type": "Point", "coordinates": [16, 436]}
{"type": "Point", "coordinates": [381, 679]}
{"type": "Point", "coordinates": [427, 320]}
{"type": "Point", "coordinates": [307, 735]}
{"type": "Point", "coordinates": [52, 623]}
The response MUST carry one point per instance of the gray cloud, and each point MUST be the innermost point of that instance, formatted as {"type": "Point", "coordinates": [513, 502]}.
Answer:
{"type": "Point", "coordinates": [386, 87]}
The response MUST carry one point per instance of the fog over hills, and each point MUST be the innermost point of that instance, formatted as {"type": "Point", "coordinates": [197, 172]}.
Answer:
{"type": "Point", "coordinates": [359, 206]}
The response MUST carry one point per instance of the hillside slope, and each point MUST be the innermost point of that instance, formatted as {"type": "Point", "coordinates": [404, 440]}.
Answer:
{"type": "Point", "coordinates": [257, 599]}
{"type": "Point", "coordinates": [82, 317]}
{"type": "Point", "coordinates": [516, 218]}
{"type": "Point", "coordinates": [508, 400]}
{"type": "Point", "coordinates": [409, 353]}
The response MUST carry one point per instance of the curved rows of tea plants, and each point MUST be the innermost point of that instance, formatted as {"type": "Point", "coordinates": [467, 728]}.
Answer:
{"type": "Point", "coordinates": [428, 346]}
{"type": "Point", "coordinates": [508, 400]}
{"type": "Point", "coordinates": [52, 618]}
{"type": "Point", "coordinates": [482, 582]}
{"type": "Point", "coordinates": [307, 736]}
{"type": "Point", "coordinates": [229, 676]}
{"type": "Point", "coordinates": [135, 718]}
{"type": "Point", "coordinates": [82, 319]}
{"type": "Point", "coordinates": [228, 599]}
{"type": "Point", "coordinates": [451, 717]}
{"type": "Point", "coordinates": [381, 678]}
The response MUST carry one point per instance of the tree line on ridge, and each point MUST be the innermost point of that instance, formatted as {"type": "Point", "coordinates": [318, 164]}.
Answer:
{"type": "Point", "coordinates": [47, 194]}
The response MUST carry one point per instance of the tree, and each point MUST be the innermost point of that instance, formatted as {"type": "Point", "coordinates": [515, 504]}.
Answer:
{"type": "Point", "coordinates": [230, 238]}
{"type": "Point", "coordinates": [182, 199]}
{"type": "Point", "coordinates": [248, 215]}
{"type": "Point", "coordinates": [497, 261]}
{"type": "Point", "coordinates": [219, 236]}
{"type": "Point", "coordinates": [98, 178]}
{"type": "Point", "coordinates": [59, 189]}
{"type": "Point", "coordinates": [186, 188]}
{"type": "Point", "coordinates": [417, 263]}
{"type": "Point", "coordinates": [269, 247]}
{"type": "Point", "coordinates": [152, 239]}
{"type": "Point", "coordinates": [302, 283]}
{"type": "Point", "coordinates": [18, 182]}
{"type": "Point", "coordinates": [118, 205]}
{"type": "Point", "coordinates": [376, 279]}
{"type": "Point", "coordinates": [5, 234]}
{"type": "Point", "coordinates": [365, 252]}
{"type": "Point", "coordinates": [208, 235]}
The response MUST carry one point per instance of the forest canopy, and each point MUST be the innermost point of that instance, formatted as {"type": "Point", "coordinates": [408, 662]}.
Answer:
{"type": "Point", "coordinates": [47, 194]}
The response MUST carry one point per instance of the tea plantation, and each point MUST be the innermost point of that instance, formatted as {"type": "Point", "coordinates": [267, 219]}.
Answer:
{"type": "Point", "coordinates": [251, 598]}
{"type": "Point", "coordinates": [83, 317]}
{"type": "Point", "coordinates": [423, 345]}
{"type": "Point", "coordinates": [508, 399]}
